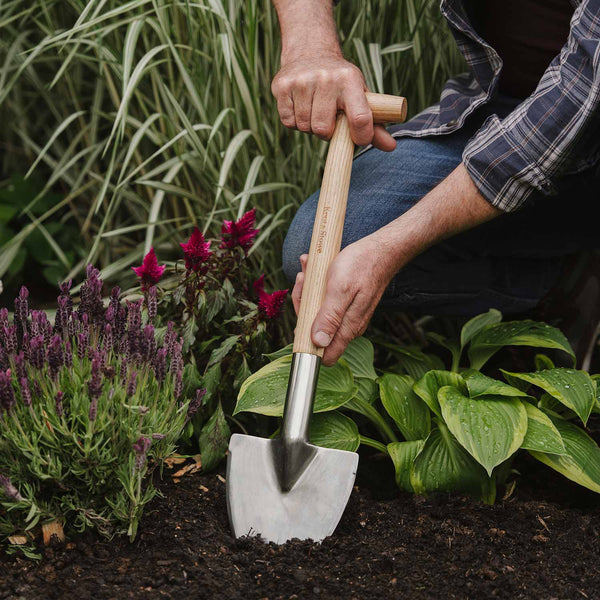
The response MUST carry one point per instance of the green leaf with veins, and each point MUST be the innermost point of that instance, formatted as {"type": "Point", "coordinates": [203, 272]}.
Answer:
{"type": "Point", "coordinates": [404, 406]}
{"type": "Point", "coordinates": [541, 435]}
{"type": "Point", "coordinates": [264, 392]}
{"type": "Point", "coordinates": [486, 342]}
{"type": "Point", "coordinates": [428, 386]}
{"type": "Point", "coordinates": [491, 429]}
{"type": "Point", "coordinates": [479, 384]}
{"type": "Point", "coordinates": [214, 439]}
{"type": "Point", "coordinates": [574, 389]}
{"type": "Point", "coordinates": [478, 323]}
{"type": "Point", "coordinates": [403, 456]}
{"type": "Point", "coordinates": [443, 465]}
{"type": "Point", "coordinates": [359, 356]}
{"type": "Point", "coordinates": [581, 463]}
{"type": "Point", "coordinates": [334, 430]}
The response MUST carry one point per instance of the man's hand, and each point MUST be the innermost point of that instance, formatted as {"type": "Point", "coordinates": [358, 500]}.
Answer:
{"type": "Point", "coordinates": [311, 89]}
{"type": "Point", "coordinates": [356, 281]}
{"type": "Point", "coordinates": [359, 275]}
{"type": "Point", "coordinates": [315, 81]}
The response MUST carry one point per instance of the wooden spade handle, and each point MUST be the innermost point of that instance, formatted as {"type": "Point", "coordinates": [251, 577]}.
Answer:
{"type": "Point", "coordinates": [329, 221]}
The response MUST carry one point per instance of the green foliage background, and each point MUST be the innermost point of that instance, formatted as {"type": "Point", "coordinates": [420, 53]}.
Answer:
{"type": "Point", "coordinates": [150, 116]}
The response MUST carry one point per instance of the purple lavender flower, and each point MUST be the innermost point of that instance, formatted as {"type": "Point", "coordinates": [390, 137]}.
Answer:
{"type": "Point", "coordinates": [4, 364]}
{"type": "Point", "coordinates": [65, 290]}
{"type": "Point", "coordinates": [35, 327]}
{"type": "Point", "coordinates": [19, 361]}
{"type": "Point", "coordinates": [158, 436]}
{"type": "Point", "coordinates": [170, 337]}
{"type": "Point", "coordinates": [131, 384]}
{"type": "Point", "coordinates": [93, 412]}
{"type": "Point", "coordinates": [176, 357]}
{"type": "Point", "coordinates": [160, 365]}
{"type": "Point", "coordinates": [61, 322]}
{"type": "Point", "coordinates": [36, 352]}
{"type": "Point", "coordinates": [91, 295]}
{"type": "Point", "coordinates": [82, 345]}
{"type": "Point", "coordinates": [152, 303]}
{"type": "Point", "coordinates": [22, 306]}
{"type": "Point", "coordinates": [178, 388]}
{"type": "Point", "coordinates": [149, 343]}
{"type": "Point", "coordinates": [10, 339]}
{"type": "Point", "coordinates": [56, 357]}
{"type": "Point", "coordinates": [68, 354]}
{"type": "Point", "coordinates": [12, 493]}
{"type": "Point", "coordinates": [3, 318]}
{"type": "Point", "coordinates": [141, 448]}
{"type": "Point", "coordinates": [7, 394]}
{"type": "Point", "coordinates": [25, 391]}
{"type": "Point", "coordinates": [95, 381]}
{"type": "Point", "coordinates": [58, 402]}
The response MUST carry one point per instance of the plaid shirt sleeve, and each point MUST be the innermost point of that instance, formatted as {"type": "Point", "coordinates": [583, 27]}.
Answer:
{"type": "Point", "coordinates": [557, 127]}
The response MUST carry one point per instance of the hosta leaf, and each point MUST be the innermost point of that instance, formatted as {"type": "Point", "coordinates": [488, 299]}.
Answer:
{"type": "Point", "coordinates": [412, 361]}
{"type": "Point", "coordinates": [285, 351]}
{"type": "Point", "coordinates": [214, 439]}
{"type": "Point", "coordinates": [543, 362]}
{"type": "Point", "coordinates": [581, 463]}
{"type": "Point", "coordinates": [489, 340]}
{"type": "Point", "coordinates": [264, 391]}
{"type": "Point", "coordinates": [491, 429]}
{"type": "Point", "coordinates": [359, 356]}
{"type": "Point", "coordinates": [541, 435]}
{"type": "Point", "coordinates": [575, 389]}
{"type": "Point", "coordinates": [403, 456]}
{"type": "Point", "coordinates": [334, 430]}
{"type": "Point", "coordinates": [428, 386]}
{"type": "Point", "coordinates": [404, 406]}
{"type": "Point", "coordinates": [476, 324]}
{"type": "Point", "coordinates": [367, 391]}
{"type": "Point", "coordinates": [479, 384]}
{"type": "Point", "coordinates": [443, 465]}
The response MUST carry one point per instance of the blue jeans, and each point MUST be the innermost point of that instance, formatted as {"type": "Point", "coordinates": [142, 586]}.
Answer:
{"type": "Point", "coordinates": [509, 263]}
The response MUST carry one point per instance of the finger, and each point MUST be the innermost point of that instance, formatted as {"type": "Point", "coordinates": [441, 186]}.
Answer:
{"type": "Point", "coordinates": [354, 324]}
{"type": "Point", "coordinates": [360, 118]}
{"type": "Point", "coordinates": [285, 107]}
{"type": "Point", "coordinates": [324, 109]}
{"type": "Point", "coordinates": [383, 140]}
{"type": "Point", "coordinates": [304, 262]}
{"type": "Point", "coordinates": [302, 98]}
{"type": "Point", "coordinates": [329, 318]}
{"type": "Point", "coordinates": [297, 291]}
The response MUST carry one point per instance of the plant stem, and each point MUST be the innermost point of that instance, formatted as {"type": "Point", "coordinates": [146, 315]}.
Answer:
{"type": "Point", "coordinates": [371, 413]}
{"type": "Point", "coordinates": [367, 441]}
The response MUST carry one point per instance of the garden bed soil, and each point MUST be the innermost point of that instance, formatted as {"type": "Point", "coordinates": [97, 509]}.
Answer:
{"type": "Point", "coordinates": [542, 542]}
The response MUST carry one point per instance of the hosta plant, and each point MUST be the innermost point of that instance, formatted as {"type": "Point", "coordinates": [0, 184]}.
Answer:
{"type": "Point", "coordinates": [90, 403]}
{"type": "Point", "coordinates": [227, 319]}
{"type": "Point", "coordinates": [456, 429]}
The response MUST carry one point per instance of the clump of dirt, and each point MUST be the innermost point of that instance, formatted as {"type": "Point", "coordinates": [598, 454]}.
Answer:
{"type": "Point", "coordinates": [542, 542]}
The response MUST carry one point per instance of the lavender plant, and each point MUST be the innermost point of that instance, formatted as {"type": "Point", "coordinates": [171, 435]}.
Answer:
{"type": "Point", "coordinates": [90, 404]}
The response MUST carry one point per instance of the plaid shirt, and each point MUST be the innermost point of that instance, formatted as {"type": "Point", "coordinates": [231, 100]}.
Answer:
{"type": "Point", "coordinates": [554, 132]}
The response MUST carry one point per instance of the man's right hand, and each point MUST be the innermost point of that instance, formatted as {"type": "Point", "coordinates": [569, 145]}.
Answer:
{"type": "Point", "coordinates": [310, 89]}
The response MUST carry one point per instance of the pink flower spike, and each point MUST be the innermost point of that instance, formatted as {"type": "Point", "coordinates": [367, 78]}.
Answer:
{"type": "Point", "coordinates": [239, 233]}
{"type": "Point", "coordinates": [149, 271]}
{"type": "Point", "coordinates": [259, 285]}
{"type": "Point", "coordinates": [271, 305]}
{"type": "Point", "coordinates": [196, 252]}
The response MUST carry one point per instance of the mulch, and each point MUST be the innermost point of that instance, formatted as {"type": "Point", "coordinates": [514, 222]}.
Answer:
{"type": "Point", "coordinates": [542, 542]}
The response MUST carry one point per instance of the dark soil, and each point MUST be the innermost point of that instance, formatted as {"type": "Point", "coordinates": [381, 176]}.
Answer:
{"type": "Point", "coordinates": [542, 542]}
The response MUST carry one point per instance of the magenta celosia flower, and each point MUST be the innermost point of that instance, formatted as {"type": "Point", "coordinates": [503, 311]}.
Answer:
{"type": "Point", "coordinates": [239, 233]}
{"type": "Point", "coordinates": [196, 252]}
{"type": "Point", "coordinates": [269, 305]}
{"type": "Point", "coordinates": [149, 271]}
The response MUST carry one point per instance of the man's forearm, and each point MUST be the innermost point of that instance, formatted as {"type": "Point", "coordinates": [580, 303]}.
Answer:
{"type": "Point", "coordinates": [307, 28]}
{"type": "Point", "coordinates": [454, 205]}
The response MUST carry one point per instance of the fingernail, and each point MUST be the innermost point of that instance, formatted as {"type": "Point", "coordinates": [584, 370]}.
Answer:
{"type": "Point", "coordinates": [322, 339]}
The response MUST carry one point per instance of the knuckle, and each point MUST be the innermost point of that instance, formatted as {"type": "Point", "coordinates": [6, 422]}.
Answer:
{"type": "Point", "coordinates": [288, 120]}
{"type": "Point", "coordinates": [361, 119]}
{"type": "Point", "coordinates": [322, 129]}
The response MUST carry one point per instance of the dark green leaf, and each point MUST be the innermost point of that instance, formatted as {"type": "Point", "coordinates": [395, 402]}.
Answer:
{"type": "Point", "coordinates": [409, 412]}
{"type": "Point", "coordinates": [574, 389]}
{"type": "Point", "coordinates": [541, 435]}
{"type": "Point", "coordinates": [479, 384]}
{"type": "Point", "coordinates": [214, 439]}
{"type": "Point", "coordinates": [334, 430]}
{"type": "Point", "coordinates": [218, 354]}
{"type": "Point", "coordinates": [516, 333]}
{"type": "Point", "coordinates": [285, 351]}
{"type": "Point", "coordinates": [403, 456]}
{"type": "Point", "coordinates": [428, 386]}
{"type": "Point", "coordinates": [476, 324]}
{"type": "Point", "coordinates": [359, 356]}
{"type": "Point", "coordinates": [491, 429]}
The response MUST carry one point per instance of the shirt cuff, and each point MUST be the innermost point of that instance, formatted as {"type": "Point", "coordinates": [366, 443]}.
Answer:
{"type": "Point", "coordinates": [501, 169]}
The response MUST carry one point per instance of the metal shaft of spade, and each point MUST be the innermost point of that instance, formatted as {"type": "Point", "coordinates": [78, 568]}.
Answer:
{"type": "Point", "coordinates": [325, 245]}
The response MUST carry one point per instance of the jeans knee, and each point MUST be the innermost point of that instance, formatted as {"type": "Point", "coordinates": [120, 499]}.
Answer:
{"type": "Point", "coordinates": [297, 239]}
